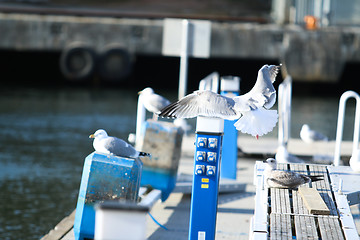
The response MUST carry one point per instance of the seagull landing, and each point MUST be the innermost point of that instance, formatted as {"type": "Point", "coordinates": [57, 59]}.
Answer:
{"type": "Point", "coordinates": [114, 146]}
{"type": "Point", "coordinates": [251, 109]}
{"type": "Point", "coordinates": [285, 179]}
{"type": "Point", "coordinates": [152, 101]}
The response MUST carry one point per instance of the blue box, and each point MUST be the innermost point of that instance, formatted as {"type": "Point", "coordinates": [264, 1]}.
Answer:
{"type": "Point", "coordinates": [104, 177]}
{"type": "Point", "coordinates": [163, 140]}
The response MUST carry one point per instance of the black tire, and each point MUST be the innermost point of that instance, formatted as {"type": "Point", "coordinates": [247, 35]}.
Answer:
{"type": "Point", "coordinates": [114, 64]}
{"type": "Point", "coordinates": [78, 62]}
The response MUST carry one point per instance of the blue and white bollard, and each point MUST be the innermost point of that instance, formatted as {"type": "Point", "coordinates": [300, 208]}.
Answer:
{"type": "Point", "coordinates": [104, 177]}
{"type": "Point", "coordinates": [207, 158]}
{"type": "Point", "coordinates": [230, 87]}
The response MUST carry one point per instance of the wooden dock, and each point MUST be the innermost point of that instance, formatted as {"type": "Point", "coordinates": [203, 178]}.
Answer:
{"type": "Point", "coordinates": [235, 209]}
{"type": "Point", "coordinates": [287, 214]}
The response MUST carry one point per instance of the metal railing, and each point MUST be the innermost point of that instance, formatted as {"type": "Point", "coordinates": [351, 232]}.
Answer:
{"type": "Point", "coordinates": [340, 124]}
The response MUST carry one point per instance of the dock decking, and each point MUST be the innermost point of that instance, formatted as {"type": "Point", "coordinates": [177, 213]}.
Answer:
{"type": "Point", "coordinates": [288, 216]}
{"type": "Point", "coordinates": [235, 210]}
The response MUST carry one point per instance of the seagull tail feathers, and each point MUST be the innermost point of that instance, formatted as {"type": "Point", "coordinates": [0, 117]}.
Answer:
{"type": "Point", "coordinates": [316, 178]}
{"type": "Point", "coordinates": [144, 154]}
{"type": "Point", "coordinates": [257, 122]}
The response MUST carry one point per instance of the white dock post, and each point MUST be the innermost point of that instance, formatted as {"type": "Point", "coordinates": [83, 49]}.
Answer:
{"type": "Point", "coordinates": [184, 59]}
{"type": "Point", "coordinates": [285, 92]}
{"type": "Point", "coordinates": [140, 119]}
{"type": "Point", "coordinates": [340, 124]}
{"type": "Point", "coordinates": [118, 220]}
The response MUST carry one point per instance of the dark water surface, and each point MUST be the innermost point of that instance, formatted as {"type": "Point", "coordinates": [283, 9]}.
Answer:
{"type": "Point", "coordinates": [44, 141]}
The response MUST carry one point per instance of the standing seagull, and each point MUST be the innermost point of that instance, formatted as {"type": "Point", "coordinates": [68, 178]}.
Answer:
{"type": "Point", "coordinates": [251, 108]}
{"type": "Point", "coordinates": [152, 101]}
{"type": "Point", "coordinates": [285, 179]}
{"type": "Point", "coordinates": [114, 146]}
{"type": "Point", "coordinates": [309, 136]}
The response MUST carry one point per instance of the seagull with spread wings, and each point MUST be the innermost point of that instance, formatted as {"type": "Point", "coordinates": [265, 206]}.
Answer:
{"type": "Point", "coordinates": [251, 109]}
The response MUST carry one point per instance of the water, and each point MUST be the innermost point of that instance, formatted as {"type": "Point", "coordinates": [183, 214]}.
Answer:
{"type": "Point", "coordinates": [44, 141]}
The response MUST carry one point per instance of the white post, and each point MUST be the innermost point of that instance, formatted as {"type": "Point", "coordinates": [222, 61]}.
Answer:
{"type": "Point", "coordinates": [140, 119]}
{"type": "Point", "coordinates": [122, 221]}
{"type": "Point", "coordinates": [184, 59]}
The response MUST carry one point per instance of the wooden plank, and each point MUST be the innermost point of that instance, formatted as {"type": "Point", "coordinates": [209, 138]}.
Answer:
{"type": "Point", "coordinates": [61, 229]}
{"type": "Point", "coordinates": [260, 223]}
{"type": "Point", "coordinates": [313, 201]}
{"type": "Point", "coordinates": [346, 218]}
{"type": "Point", "coordinates": [329, 225]}
{"type": "Point", "coordinates": [305, 226]}
{"type": "Point", "coordinates": [280, 223]}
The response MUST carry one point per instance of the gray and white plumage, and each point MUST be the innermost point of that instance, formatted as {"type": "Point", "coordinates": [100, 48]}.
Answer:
{"type": "Point", "coordinates": [309, 136]}
{"type": "Point", "coordinates": [115, 146]}
{"type": "Point", "coordinates": [284, 178]}
{"type": "Point", "coordinates": [152, 101]}
{"type": "Point", "coordinates": [251, 108]}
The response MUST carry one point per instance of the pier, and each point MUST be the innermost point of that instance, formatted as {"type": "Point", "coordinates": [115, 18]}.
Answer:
{"type": "Point", "coordinates": [235, 209]}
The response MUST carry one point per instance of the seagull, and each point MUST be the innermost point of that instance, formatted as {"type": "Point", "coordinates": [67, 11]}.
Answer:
{"type": "Point", "coordinates": [251, 109]}
{"type": "Point", "coordinates": [115, 146]}
{"type": "Point", "coordinates": [285, 179]}
{"type": "Point", "coordinates": [152, 101]}
{"type": "Point", "coordinates": [309, 136]}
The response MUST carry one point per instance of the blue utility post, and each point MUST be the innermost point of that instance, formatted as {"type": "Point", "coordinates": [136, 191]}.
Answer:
{"type": "Point", "coordinates": [230, 87]}
{"type": "Point", "coordinates": [104, 177]}
{"type": "Point", "coordinates": [207, 158]}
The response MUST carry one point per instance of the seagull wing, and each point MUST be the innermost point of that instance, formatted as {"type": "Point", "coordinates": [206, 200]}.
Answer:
{"type": "Point", "coordinates": [287, 179]}
{"type": "Point", "coordinates": [201, 103]}
{"type": "Point", "coordinates": [119, 147]}
{"type": "Point", "coordinates": [256, 119]}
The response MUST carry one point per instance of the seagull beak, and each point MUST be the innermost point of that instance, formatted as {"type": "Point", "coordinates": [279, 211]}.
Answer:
{"type": "Point", "coordinates": [139, 92]}
{"type": "Point", "coordinates": [92, 136]}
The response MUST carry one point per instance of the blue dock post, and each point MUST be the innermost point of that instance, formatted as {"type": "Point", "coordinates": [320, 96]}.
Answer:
{"type": "Point", "coordinates": [104, 177]}
{"type": "Point", "coordinates": [230, 87]}
{"type": "Point", "coordinates": [204, 198]}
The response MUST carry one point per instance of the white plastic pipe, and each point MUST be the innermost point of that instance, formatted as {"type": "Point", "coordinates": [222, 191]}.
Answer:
{"type": "Point", "coordinates": [184, 59]}
{"type": "Point", "coordinates": [340, 124]}
{"type": "Point", "coordinates": [284, 107]}
{"type": "Point", "coordinates": [140, 119]}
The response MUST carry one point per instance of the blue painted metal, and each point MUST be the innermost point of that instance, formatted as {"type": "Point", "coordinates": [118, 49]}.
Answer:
{"type": "Point", "coordinates": [204, 198]}
{"type": "Point", "coordinates": [158, 178]}
{"type": "Point", "coordinates": [229, 150]}
{"type": "Point", "coordinates": [104, 177]}
{"type": "Point", "coordinates": [163, 140]}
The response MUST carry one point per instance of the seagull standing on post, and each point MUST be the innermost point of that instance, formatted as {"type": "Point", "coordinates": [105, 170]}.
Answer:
{"type": "Point", "coordinates": [252, 108]}
{"type": "Point", "coordinates": [153, 102]}
{"type": "Point", "coordinates": [114, 146]}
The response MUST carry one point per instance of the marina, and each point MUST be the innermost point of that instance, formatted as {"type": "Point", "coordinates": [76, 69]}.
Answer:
{"type": "Point", "coordinates": [64, 122]}
{"type": "Point", "coordinates": [202, 178]}
{"type": "Point", "coordinates": [235, 209]}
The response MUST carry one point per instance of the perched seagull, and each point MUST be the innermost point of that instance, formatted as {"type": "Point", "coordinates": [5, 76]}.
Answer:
{"type": "Point", "coordinates": [285, 179]}
{"type": "Point", "coordinates": [152, 101]}
{"type": "Point", "coordinates": [309, 136]}
{"type": "Point", "coordinates": [251, 108]}
{"type": "Point", "coordinates": [114, 146]}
